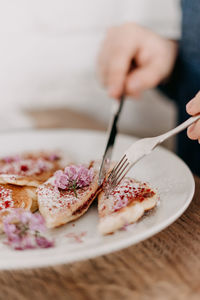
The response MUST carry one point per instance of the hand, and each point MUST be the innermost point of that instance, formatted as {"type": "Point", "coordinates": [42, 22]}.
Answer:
{"type": "Point", "coordinates": [193, 108]}
{"type": "Point", "coordinates": [153, 55]}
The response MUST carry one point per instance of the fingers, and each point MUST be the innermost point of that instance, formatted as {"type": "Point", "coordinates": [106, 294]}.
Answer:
{"type": "Point", "coordinates": [153, 55]}
{"type": "Point", "coordinates": [114, 70]}
{"type": "Point", "coordinates": [114, 61]}
{"type": "Point", "coordinates": [193, 131]}
{"type": "Point", "coordinates": [116, 74]}
{"type": "Point", "coordinates": [141, 79]}
{"type": "Point", "coordinates": [193, 107]}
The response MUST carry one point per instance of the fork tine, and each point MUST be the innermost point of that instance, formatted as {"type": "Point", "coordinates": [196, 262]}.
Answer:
{"type": "Point", "coordinates": [118, 175]}
{"type": "Point", "coordinates": [117, 168]}
{"type": "Point", "coordinates": [111, 184]}
{"type": "Point", "coordinates": [121, 161]}
{"type": "Point", "coordinates": [119, 179]}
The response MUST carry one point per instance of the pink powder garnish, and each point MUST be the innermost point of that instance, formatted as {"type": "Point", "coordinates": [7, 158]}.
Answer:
{"type": "Point", "coordinates": [25, 167]}
{"type": "Point", "coordinates": [23, 230]}
{"type": "Point", "coordinates": [121, 202]}
{"type": "Point", "coordinates": [77, 237]}
{"type": "Point", "coordinates": [6, 200]}
{"type": "Point", "coordinates": [127, 190]}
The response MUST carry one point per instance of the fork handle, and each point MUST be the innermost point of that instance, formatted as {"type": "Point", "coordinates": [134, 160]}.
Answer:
{"type": "Point", "coordinates": [179, 128]}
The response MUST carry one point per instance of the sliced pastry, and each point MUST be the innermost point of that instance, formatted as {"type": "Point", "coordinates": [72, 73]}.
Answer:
{"type": "Point", "coordinates": [13, 196]}
{"type": "Point", "coordinates": [30, 169]}
{"type": "Point", "coordinates": [68, 194]}
{"type": "Point", "coordinates": [125, 205]}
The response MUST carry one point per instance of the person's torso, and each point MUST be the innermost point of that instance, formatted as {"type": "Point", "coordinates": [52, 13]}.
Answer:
{"type": "Point", "coordinates": [190, 42]}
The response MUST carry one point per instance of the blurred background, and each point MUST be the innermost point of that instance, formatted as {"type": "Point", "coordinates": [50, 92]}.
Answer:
{"type": "Point", "coordinates": [48, 64]}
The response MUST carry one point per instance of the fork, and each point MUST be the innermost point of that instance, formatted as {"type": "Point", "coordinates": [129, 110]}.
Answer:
{"type": "Point", "coordinates": [137, 151]}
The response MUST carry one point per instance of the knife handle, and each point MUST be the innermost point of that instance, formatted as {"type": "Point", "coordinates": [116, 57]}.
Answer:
{"type": "Point", "coordinates": [117, 105]}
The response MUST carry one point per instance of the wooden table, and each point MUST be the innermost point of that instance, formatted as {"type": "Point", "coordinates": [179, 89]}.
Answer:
{"type": "Point", "coordinates": [166, 266]}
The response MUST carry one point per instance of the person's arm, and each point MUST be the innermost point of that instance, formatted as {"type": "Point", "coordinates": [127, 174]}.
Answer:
{"type": "Point", "coordinates": [153, 57]}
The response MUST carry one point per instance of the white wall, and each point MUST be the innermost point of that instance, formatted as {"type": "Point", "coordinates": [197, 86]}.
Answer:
{"type": "Point", "coordinates": [48, 52]}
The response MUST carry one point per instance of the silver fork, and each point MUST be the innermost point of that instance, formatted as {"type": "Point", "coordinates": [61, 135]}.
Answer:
{"type": "Point", "coordinates": [137, 151]}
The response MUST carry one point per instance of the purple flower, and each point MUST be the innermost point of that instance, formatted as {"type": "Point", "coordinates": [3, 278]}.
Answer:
{"type": "Point", "coordinates": [23, 230]}
{"type": "Point", "coordinates": [10, 159]}
{"type": "Point", "coordinates": [10, 229]}
{"type": "Point", "coordinates": [24, 217]}
{"type": "Point", "coordinates": [42, 242]}
{"type": "Point", "coordinates": [85, 176]}
{"type": "Point", "coordinates": [37, 223]}
{"type": "Point", "coordinates": [73, 177]}
{"type": "Point", "coordinates": [72, 173]}
{"type": "Point", "coordinates": [53, 157]}
{"type": "Point", "coordinates": [61, 180]}
{"type": "Point", "coordinates": [42, 165]}
{"type": "Point", "coordinates": [22, 243]}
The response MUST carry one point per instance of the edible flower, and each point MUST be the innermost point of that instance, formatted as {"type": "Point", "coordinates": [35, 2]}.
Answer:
{"type": "Point", "coordinates": [73, 177]}
{"type": "Point", "coordinates": [53, 157]}
{"type": "Point", "coordinates": [24, 230]}
{"type": "Point", "coordinates": [10, 159]}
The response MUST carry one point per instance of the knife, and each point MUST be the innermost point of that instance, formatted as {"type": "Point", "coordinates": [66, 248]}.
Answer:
{"type": "Point", "coordinates": [112, 132]}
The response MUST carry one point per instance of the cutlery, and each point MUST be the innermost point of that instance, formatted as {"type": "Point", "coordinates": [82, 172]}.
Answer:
{"type": "Point", "coordinates": [137, 151]}
{"type": "Point", "coordinates": [112, 132]}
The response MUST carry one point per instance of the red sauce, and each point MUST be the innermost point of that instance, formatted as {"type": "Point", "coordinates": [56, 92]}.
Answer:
{"type": "Point", "coordinates": [24, 168]}
{"type": "Point", "coordinates": [7, 204]}
{"type": "Point", "coordinates": [87, 203]}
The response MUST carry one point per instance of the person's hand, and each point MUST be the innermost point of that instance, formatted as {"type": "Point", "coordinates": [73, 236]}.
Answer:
{"type": "Point", "coordinates": [153, 56]}
{"type": "Point", "coordinates": [193, 108]}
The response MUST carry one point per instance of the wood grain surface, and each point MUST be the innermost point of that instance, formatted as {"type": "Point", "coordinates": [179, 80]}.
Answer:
{"type": "Point", "coordinates": [166, 266]}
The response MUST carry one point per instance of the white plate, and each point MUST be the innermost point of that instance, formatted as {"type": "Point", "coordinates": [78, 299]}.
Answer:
{"type": "Point", "coordinates": [162, 169]}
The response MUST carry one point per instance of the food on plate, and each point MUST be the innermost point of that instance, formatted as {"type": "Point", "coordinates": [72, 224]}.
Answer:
{"type": "Point", "coordinates": [125, 205]}
{"type": "Point", "coordinates": [68, 194]}
{"type": "Point", "coordinates": [13, 196]}
{"type": "Point", "coordinates": [38, 180]}
{"type": "Point", "coordinates": [24, 230]}
{"type": "Point", "coordinates": [30, 169]}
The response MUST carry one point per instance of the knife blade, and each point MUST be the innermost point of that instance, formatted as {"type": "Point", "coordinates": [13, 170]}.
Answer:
{"type": "Point", "coordinates": [112, 132]}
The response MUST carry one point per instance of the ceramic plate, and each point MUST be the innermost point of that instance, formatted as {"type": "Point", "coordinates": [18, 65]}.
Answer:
{"type": "Point", "coordinates": [162, 169]}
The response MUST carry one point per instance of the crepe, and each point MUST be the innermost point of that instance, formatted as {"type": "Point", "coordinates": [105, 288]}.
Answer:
{"type": "Point", "coordinates": [125, 205]}
{"type": "Point", "coordinates": [13, 196]}
{"type": "Point", "coordinates": [31, 169]}
{"type": "Point", "coordinates": [62, 206]}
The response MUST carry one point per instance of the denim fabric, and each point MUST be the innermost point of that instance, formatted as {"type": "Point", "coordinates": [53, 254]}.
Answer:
{"type": "Point", "coordinates": [185, 80]}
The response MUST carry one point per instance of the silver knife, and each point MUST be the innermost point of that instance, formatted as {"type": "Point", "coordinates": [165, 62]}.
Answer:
{"type": "Point", "coordinates": [112, 132]}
